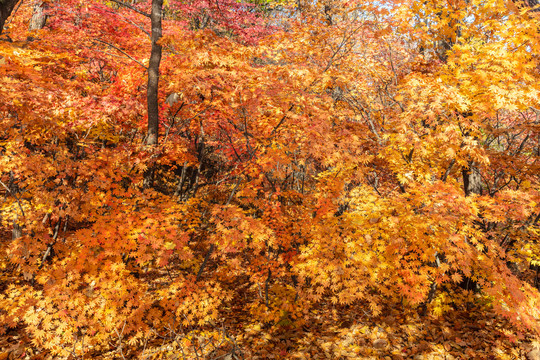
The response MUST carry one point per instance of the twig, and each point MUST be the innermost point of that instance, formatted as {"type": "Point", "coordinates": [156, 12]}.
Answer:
{"type": "Point", "coordinates": [232, 192]}
{"type": "Point", "coordinates": [15, 196]}
{"type": "Point", "coordinates": [178, 191]}
{"type": "Point", "coordinates": [266, 286]}
{"type": "Point", "coordinates": [120, 337]}
{"type": "Point", "coordinates": [447, 172]}
{"type": "Point", "coordinates": [205, 261]}
{"type": "Point", "coordinates": [123, 52]}
{"type": "Point", "coordinates": [169, 273]}
{"type": "Point", "coordinates": [131, 8]}
{"type": "Point", "coordinates": [173, 122]}
{"type": "Point", "coordinates": [281, 121]}
{"type": "Point", "coordinates": [132, 23]}
{"type": "Point", "coordinates": [51, 244]}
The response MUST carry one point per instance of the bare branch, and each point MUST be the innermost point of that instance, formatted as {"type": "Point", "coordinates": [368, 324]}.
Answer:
{"type": "Point", "coordinates": [123, 52]}
{"type": "Point", "coordinates": [131, 8]}
{"type": "Point", "coordinates": [131, 22]}
{"type": "Point", "coordinates": [447, 172]}
{"type": "Point", "coordinates": [205, 262]}
{"type": "Point", "coordinates": [15, 196]}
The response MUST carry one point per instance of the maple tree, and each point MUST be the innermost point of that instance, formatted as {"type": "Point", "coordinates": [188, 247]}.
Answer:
{"type": "Point", "coordinates": [211, 175]}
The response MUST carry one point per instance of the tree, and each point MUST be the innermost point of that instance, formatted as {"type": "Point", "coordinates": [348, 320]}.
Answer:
{"type": "Point", "coordinates": [6, 7]}
{"type": "Point", "coordinates": [153, 73]}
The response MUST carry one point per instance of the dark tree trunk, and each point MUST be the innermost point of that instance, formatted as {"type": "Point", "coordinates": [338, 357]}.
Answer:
{"type": "Point", "coordinates": [153, 73]}
{"type": "Point", "coordinates": [6, 7]}
{"type": "Point", "coordinates": [153, 86]}
{"type": "Point", "coordinates": [472, 184]}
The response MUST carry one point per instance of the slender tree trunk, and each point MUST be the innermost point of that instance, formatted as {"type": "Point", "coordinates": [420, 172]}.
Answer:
{"type": "Point", "coordinates": [472, 181]}
{"type": "Point", "coordinates": [6, 7]}
{"type": "Point", "coordinates": [153, 86]}
{"type": "Point", "coordinates": [17, 231]}
{"type": "Point", "coordinates": [472, 184]}
{"type": "Point", "coordinates": [153, 73]}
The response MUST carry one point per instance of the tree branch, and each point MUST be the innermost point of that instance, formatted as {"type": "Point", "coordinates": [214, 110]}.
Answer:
{"type": "Point", "coordinates": [15, 196]}
{"type": "Point", "coordinates": [131, 8]}
{"type": "Point", "coordinates": [205, 261]}
{"type": "Point", "coordinates": [123, 52]}
{"type": "Point", "coordinates": [447, 172]}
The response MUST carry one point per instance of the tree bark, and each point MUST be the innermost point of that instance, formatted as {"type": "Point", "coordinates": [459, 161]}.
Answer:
{"type": "Point", "coordinates": [472, 181]}
{"type": "Point", "coordinates": [153, 73]}
{"type": "Point", "coordinates": [153, 86]}
{"type": "Point", "coordinates": [17, 231]}
{"type": "Point", "coordinates": [6, 7]}
{"type": "Point", "coordinates": [39, 18]}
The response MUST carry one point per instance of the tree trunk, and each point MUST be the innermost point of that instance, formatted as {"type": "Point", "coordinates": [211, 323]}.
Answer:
{"type": "Point", "coordinates": [153, 74]}
{"type": "Point", "coordinates": [472, 181]}
{"type": "Point", "coordinates": [153, 86]}
{"type": "Point", "coordinates": [17, 231]}
{"type": "Point", "coordinates": [6, 7]}
{"type": "Point", "coordinates": [39, 18]}
{"type": "Point", "coordinates": [472, 184]}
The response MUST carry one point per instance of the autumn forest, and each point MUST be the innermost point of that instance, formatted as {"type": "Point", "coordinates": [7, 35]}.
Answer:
{"type": "Point", "coordinates": [269, 179]}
